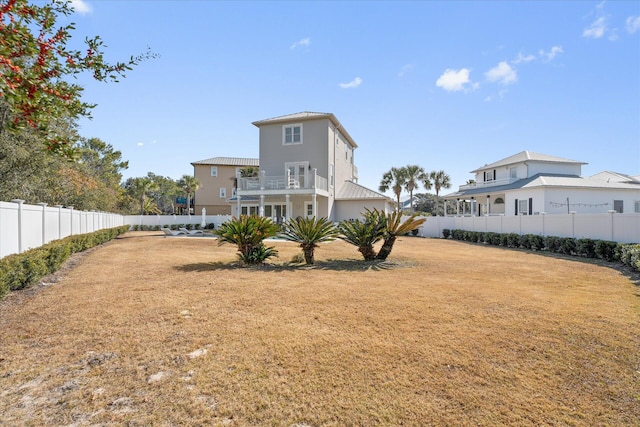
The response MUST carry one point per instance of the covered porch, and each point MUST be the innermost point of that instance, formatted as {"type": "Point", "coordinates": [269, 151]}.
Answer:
{"type": "Point", "coordinates": [476, 204]}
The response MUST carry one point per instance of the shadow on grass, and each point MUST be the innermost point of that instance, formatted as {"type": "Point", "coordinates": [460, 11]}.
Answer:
{"type": "Point", "coordinates": [329, 265]}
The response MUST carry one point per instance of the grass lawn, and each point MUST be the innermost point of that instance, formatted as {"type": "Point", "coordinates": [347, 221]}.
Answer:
{"type": "Point", "coordinates": [149, 330]}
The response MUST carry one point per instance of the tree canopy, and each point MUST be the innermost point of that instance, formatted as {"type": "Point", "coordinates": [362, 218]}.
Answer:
{"type": "Point", "coordinates": [36, 64]}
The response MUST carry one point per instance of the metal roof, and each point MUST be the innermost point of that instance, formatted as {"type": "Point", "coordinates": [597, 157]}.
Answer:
{"type": "Point", "coordinates": [528, 156]}
{"type": "Point", "coordinates": [547, 180]}
{"type": "Point", "coordinates": [352, 191]}
{"type": "Point", "coordinates": [308, 115]}
{"type": "Point", "coordinates": [228, 161]}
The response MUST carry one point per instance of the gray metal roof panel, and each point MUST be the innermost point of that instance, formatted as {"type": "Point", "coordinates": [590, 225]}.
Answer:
{"type": "Point", "coordinates": [352, 191]}
{"type": "Point", "coordinates": [524, 156]}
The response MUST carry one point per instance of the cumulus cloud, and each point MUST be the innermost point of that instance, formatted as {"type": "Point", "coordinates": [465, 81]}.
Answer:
{"type": "Point", "coordinates": [555, 51]}
{"type": "Point", "coordinates": [301, 43]}
{"type": "Point", "coordinates": [502, 73]}
{"type": "Point", "coordinates": [352, 84]}
{"type": "Point", "coordinates": [523, 58]}
{"type": "Point", "coordinates": [80, 6]}
{"type": "Point", "coordinates": [596, 29]}
{"type": "Point", "coordinates": [454, 80]}
{"type": "Point", "coordinates": [633, 24]}
{"type": "Point", "coordinates": [140, 144]}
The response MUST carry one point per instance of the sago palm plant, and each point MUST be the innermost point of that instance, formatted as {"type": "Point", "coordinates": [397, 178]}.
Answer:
{"type": "Point", "coordinates": [308, 232]}
{"type": "Point", "coordinates": [248, 233]}
{"type": "Point", "coordinates": [363, 234]}
{"type": "Point", "coordinates": [394, 227]}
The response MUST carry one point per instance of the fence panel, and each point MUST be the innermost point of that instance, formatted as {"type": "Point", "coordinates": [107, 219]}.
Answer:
{"type": "Point", "coordinates": [24, 226]}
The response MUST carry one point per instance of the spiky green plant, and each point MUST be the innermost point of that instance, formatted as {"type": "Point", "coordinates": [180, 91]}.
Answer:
{"type": "Point", "coordinates": [308, 232]}
{"type": "Point", "coordinates": [394, 227]}
{"type": "Point", "coordinates": [248, 233]}
{"type": "Point", "coordinates": [363, 234]}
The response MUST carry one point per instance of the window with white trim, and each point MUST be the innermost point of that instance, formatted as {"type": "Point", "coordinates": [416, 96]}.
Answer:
{"type": "Point", "coordinates": [223, 193]}
{"type": "Point", "coordinates": [331, 175]}
{"type": "Point", "coordinates": [523, 207]}
{"type": "Point", "coordinates": [513, 172]}
{"type": "Point", "coordinates": [292, 134]}
{"type": "Point", "coordinates": [214, 171]}
{"type": "Point", "coordinates": [489, 176]}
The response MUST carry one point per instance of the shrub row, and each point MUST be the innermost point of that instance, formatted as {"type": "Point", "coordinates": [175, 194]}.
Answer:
{"type": "Point", "coordinates": [628, 254]}
{"type": "Point", "coordinates": [20, 271]}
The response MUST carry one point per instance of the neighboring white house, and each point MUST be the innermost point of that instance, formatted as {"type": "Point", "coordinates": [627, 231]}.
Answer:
{"type": "Point", "coordinates": [529, 183]}
{"type": "Point", "coordinates": [307, 168]}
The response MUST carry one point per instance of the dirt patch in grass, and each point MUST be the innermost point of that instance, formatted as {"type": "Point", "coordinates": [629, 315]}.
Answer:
{"type": "Point", "coordinates": [148, 330]}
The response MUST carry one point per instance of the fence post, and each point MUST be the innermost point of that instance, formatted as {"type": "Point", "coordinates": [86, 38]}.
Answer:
{"type": "Point", "coordinates": [573, 224]}
{"type": "Point", "coordinates": [71, 219]}
{"type": "Point", "coordinates": [19, 202]}
{"type": "Point", "coordinates": [44, 222]}
{"type": "Point", "coordinates": [611, 212]}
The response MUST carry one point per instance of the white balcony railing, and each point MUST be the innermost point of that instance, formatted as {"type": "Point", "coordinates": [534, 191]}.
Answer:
{"type": "Point", "coordinates": [282, 182]}
{"type": "Point", "coordinates": [486, 184]}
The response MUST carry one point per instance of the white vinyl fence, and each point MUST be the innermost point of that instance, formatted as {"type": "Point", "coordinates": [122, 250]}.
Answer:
{"type": "Point", "coordinates": [624, 228]}
{"type": "Point", "coordinates": [25, 226]}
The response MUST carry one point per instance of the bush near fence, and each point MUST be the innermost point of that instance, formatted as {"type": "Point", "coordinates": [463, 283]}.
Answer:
{"type": "Point", "coordinates": [626, 253]}
{"type": "Point", "coordinates": [20, 271]}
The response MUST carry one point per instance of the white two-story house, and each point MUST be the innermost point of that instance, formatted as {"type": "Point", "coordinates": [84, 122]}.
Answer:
{"type": "Point", "coordinates": [307, 168]}
{"type": "Point", "coordinates": [529, 183]}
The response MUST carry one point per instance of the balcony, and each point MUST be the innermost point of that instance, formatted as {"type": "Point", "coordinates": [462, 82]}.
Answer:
{"type": "Point", "coordinates": [281, 184]}
{"type": "Point", "coordinates": [487, 184]}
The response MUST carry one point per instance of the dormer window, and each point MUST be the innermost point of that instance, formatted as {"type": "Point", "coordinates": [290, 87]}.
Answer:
{"type": "Point", "coordinates": [490, 176]}
{"type": "Point", "coordinates": [292, 134]}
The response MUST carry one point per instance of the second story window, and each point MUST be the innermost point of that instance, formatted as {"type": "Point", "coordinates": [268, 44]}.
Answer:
{"type": "Point", "coordinates": [489, 175]}
{"type": "Point", "coordinates": [292, 134]}
{"type": "Point", "coordinates": [214, 171]}
{"type": "Point", "coordinates": [223, 192]}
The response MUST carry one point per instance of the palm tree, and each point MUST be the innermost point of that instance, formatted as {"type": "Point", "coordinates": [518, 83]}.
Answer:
{"type": "Point", "coordinates": [413, 175]}
{"type": "Point", "coordinates": [308, 232]}
{"type": "Point", "coordinates": [140, 187]}
{"type": "Point", "coordinates": [394, 179]}
{"type": "Point", "coordinates": [248, 172]}
{"type": "Point", "coordinates": [393, 227]}
{"type": "Point", "coordinates": [440, 180]}
{"type": "Point", "coordinates": [189, 184]}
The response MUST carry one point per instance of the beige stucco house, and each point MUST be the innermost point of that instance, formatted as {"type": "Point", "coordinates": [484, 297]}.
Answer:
{"type": "Point", "coordinates": [307, 168]}
{"type": "Point", "coordinates": [217, 183]}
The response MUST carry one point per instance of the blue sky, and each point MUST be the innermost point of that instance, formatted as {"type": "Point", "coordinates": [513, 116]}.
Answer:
{"type": "Point", "coordinates": [446, 85]}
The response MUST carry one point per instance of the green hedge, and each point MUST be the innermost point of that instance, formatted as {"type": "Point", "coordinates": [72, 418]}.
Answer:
{"type": "Point", "coordinates": [20, 271]}
{"type": "Point", "coordinates": [628, 254]}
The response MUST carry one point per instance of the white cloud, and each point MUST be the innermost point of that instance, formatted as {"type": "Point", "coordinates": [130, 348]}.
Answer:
{"type": "Point", "coordinates": [301, 43]}
{"type": "Point", "coordinates": [523, 58]}
{"type": "Point", "coordinates": [454, 80]}
{"type": "Point", "coordinates": [555, 51]}
{"type": "Point", "coordinates": [353, 83]}
{"type": "Point", "coordinates": [80, 6]}
{"type": "Point", "coordinates": [140, 144]}
{"type": "Point", "coordinates": [633, 24]}
{"type": "Point", "coordinates": [502, 73]}
{"type": "Point", "coordinates": [596, 29]}
{"type": "Point", "coordinates": [407, 68]}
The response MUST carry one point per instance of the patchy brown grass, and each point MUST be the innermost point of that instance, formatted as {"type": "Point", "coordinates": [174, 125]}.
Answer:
{"type": "Point", "coordinates": [148, 330]}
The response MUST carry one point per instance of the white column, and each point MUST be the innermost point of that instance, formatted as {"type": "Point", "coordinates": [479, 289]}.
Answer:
{"type": "Point", "coordinates": [315, 177]}
{"type": "Point", "coordinates": [261, 213]}
{"type": "Point", "coordinates": [444, 206]}
{"type": "Point", "coordinates": [238, 205]}
{"type": "Point", "coordinates": [44, 222]}
{"type": "Point", "coordinates": [262, 179]}
{"type": "Point", "coordinates": [314, 205]}
{"type": "Point", "coordinates": [458, 207]}
{"type": "Point", "coordinates": [288, 204]}
{"type": "Point", "coordinates": [488, 205]}
{"type": "Point", "coordinates": [19, 202]}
